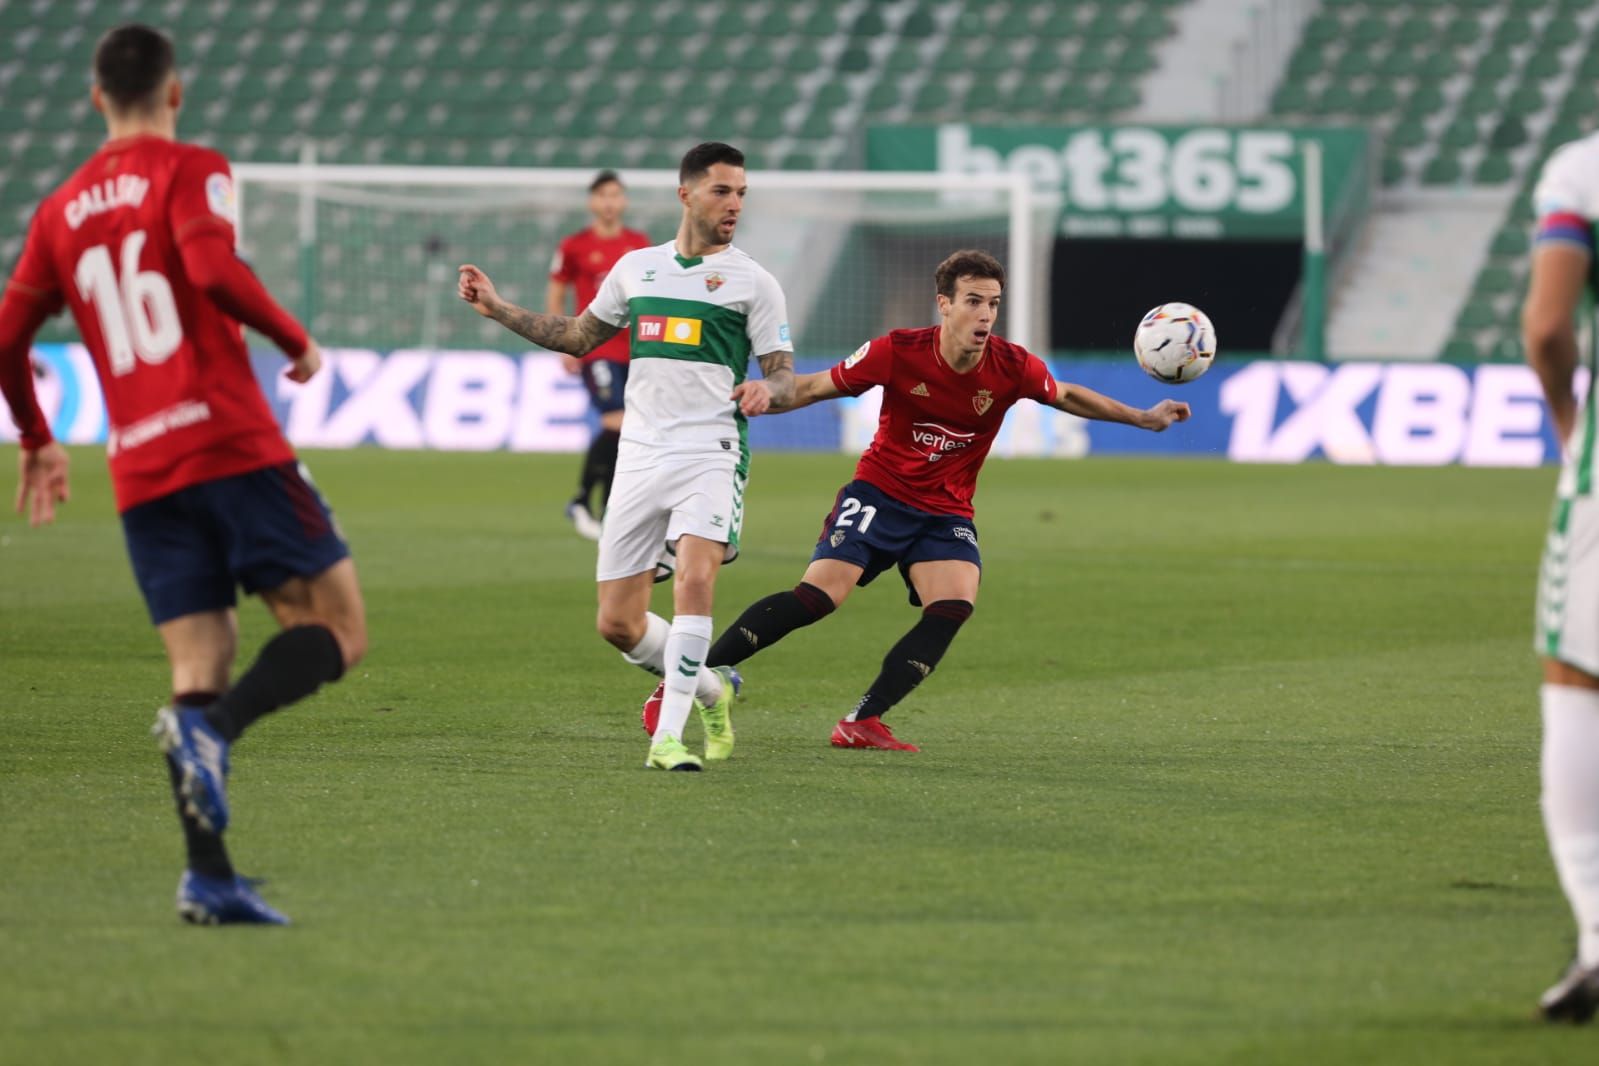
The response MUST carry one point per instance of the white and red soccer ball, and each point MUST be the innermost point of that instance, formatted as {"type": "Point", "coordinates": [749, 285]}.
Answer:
{"type": "Point", "coordinates": [1175, 343]}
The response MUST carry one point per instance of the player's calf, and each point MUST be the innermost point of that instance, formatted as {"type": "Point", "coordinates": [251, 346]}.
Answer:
{"type": "Point", "coordinates": [290, 667]}
{"type": "Point", "coordinates": [767, 621]}
{"type": "Point", "coordinates": [909, 662]}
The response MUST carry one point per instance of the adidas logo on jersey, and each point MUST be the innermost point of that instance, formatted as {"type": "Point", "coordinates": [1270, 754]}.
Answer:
{"type": "Point", "coordinates": [920, 389]}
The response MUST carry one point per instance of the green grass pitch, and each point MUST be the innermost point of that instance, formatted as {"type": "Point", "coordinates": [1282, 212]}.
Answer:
{"type": "Point", "coordinates": [1231, 765]}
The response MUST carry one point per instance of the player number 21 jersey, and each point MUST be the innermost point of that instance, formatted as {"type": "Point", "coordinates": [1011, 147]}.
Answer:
{"type": "Point", "coordinates": [694, 324]}
{"type": "Point", "coordinates": [937, 425]}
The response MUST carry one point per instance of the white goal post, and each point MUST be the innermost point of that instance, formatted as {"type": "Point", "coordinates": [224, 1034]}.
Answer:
{"type": "Point", "coordinates": [367, 253]}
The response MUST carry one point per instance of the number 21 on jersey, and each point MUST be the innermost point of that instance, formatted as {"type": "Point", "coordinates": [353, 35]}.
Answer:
{"type": "Point", "coordinates": [138, 315]}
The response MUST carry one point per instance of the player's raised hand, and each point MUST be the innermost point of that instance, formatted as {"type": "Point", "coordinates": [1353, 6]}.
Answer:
{"type": "Point", "coordinates": [1164, 413]}
{"type": "Point", "coordinates": [753, 398]}
{"type": "Point", "coordinates": [305, 367]}
{"type": "Point", "coordinates": [476, 289]}
{"type": "Point", "coordinates": [42, 482]}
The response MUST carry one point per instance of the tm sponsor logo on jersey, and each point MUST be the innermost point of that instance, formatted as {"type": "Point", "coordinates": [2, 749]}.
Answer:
{"type": "Point", "coordinates": [669, 329]}
{"type": "Point", "coordinates": [124, 190]}
{"type": "Point", "coordinates": [939, 439]}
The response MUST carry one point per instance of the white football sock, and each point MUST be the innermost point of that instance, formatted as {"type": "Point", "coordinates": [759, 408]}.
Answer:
{"type": "Point", "coordinates": [649, 653]}
{"type": "Point", "coordinates": [1571, 804]}
{"type": "Point", "coordinates": [686, 647]}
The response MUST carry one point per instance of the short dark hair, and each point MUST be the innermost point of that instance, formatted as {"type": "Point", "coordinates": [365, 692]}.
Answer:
{"type": "Point", "coordinates": [702, 157]}
{"type": "Point", "coordinates": [966, 263]}
{"type": "Point", "coordinates": [131, 62]}
{"type": "Point", "coordinates": [604, 178]}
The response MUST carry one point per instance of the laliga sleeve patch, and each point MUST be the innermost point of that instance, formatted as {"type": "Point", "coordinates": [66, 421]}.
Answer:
{"type": "Point", "coordinates": [555, 262]}
{"type": "Point", "coordinates": [219, 197]}
{"type": "Point", "coordinates": [859, 354]}
{"type": "Point", "coordinates": [782, 333]}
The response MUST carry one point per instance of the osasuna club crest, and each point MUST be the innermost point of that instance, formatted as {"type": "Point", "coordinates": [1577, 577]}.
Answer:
{"type": "Point", "coordinates": [837, 538]}
{"type": "Point", "coordinates": [982, 401]}
{"type": "Point", "coordinates": [714, 282]}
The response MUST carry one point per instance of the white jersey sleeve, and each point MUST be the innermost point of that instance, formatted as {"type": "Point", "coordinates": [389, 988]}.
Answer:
{"type": "Point", "coordinates": [610, 303]}
{"type": "Point", "coordinates": [767, 324]}
{"type": "Point", "coordinates": [1569, 183]}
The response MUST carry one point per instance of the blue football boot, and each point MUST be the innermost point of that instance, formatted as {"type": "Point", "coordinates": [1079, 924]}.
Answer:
{"type": "Point", "coordinates": [202, 758]}
{"type": "Point", "coordinates": [206, 900]}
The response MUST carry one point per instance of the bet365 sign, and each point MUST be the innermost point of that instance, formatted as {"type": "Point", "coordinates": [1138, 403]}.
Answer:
{"type": "Point", "coordinates": [1148, 181]}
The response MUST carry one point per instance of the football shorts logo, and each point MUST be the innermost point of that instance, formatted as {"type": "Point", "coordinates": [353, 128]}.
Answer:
{"type": "Point", "coordinates": [714, 282]}
{"type": "Point", "coordinates": [982, 401]}
{"type": "Point", "coordinates": [968, 535]}
{"type": "Point", "coordinates": [669, 329]}
{"type": "Point", "coordinates": [220, 198]}
{"type": "Point", "coordinates": [857, 356]}
{"type": "Point", "coordinates": [837, 538]}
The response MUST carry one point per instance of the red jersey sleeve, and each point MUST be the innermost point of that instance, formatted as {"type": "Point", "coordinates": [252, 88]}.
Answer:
{"type": "Point", "coordinates": [1037, 382]}
{"type": "Point", "coordinates": [870, 364]}
{"type": "Point", "coordinates": [201, 199]}
{"type": "Point", "coordinates": [32, 295]}
{"type": "Point", "coordinates": [561, 266]}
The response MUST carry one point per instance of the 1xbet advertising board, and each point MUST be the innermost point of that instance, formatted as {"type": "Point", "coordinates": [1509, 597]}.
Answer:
{"type": "Point", "coordinates": [1418, 414]}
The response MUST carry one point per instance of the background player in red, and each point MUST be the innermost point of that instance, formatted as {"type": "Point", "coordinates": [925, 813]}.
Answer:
{"type": "Point", "coordinates": [139, 245]}
{"type": "Point", "coordinates": [945, 393]}
{"type": "Point", "coordinates": [581, 263]}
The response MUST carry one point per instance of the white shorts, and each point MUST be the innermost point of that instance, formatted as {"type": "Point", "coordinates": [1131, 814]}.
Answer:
{"type": "Point", "coordinates": [1568, 584]}
{"type": "Point", "coordinates": [651, 506]}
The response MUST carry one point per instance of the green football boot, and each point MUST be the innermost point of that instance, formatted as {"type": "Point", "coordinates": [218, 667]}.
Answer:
{"type": "Point", "coordinates": [670, 754]}
{"type": "Point", "coordinates": [717, 717]}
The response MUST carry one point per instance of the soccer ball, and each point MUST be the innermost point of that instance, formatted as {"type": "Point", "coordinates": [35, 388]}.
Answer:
{"type": "Point", "coordinates": [1175, 343]}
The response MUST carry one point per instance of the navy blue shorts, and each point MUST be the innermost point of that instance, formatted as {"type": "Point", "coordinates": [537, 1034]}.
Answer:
{"type": "Point", "coordinates": [257, 530]}
{"type": "Point", "coordinates": [606, 382]}
{"type": "Point", "coordinates": [874, 531]}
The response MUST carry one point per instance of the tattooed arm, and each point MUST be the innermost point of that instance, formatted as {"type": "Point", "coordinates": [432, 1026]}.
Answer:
{"type": "Point", "coordinates": [559, 333]}
{"type": "Point", "coordinates": [775, 389]}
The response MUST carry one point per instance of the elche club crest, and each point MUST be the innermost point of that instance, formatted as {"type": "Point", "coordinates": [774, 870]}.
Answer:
{"type": "Point", "coordinates": [714, 282]}
{"type": "Point", "coordinates": [983, 401]}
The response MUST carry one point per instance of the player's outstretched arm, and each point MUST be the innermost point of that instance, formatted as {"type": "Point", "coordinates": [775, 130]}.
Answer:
{"type": "Point", "coordinates": [809, 389]}
{"type": "Point", "coordinates": [1086, 403]}
{"type": "Point", "coordinates": [1559, 272]}
{"type": "Point", "coordinates": [775, 389]}
{"type": "Point", "coordinates": [559, 333]}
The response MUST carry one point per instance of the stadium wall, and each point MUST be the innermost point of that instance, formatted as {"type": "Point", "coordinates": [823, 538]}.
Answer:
{"type": "Point", "coordinates": [1263, 410]}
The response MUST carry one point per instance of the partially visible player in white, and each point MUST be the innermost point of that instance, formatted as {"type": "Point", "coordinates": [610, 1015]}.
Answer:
{"type": "Point", "coordinates": [698, 308]}
{"type": "Point", "coordinates": [1567, 203]}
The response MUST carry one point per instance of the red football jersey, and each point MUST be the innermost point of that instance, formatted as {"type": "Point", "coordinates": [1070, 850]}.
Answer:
{"type": "Point", "coordinates": [937, 425]}
{"type": "Point", "coordinates": [183, 403]}
{"type": "Point", "coordinates": [582, 261]}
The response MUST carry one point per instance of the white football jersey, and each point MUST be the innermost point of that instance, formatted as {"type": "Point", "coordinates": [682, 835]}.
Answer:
{"type": "Point", "coordinates": [693, 324]}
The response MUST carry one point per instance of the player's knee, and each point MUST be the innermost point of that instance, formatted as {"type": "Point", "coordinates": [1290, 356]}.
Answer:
{"type": "Point", "coordinates": [619, 631]}
{"type": "Point", "coordinates": [956, 611]}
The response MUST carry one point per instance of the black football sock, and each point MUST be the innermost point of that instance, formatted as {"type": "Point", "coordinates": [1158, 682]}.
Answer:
{"type": "Point", "coordinates": [599, 464]}
{"type": "Point", "coordinates": [765, 622]}
{"type": "Point", "coordinates": [291, 666]}
{"type": "Point", "coordinates": [908, 663]}
{"type": "Point", "coordinates": [206, 853]}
